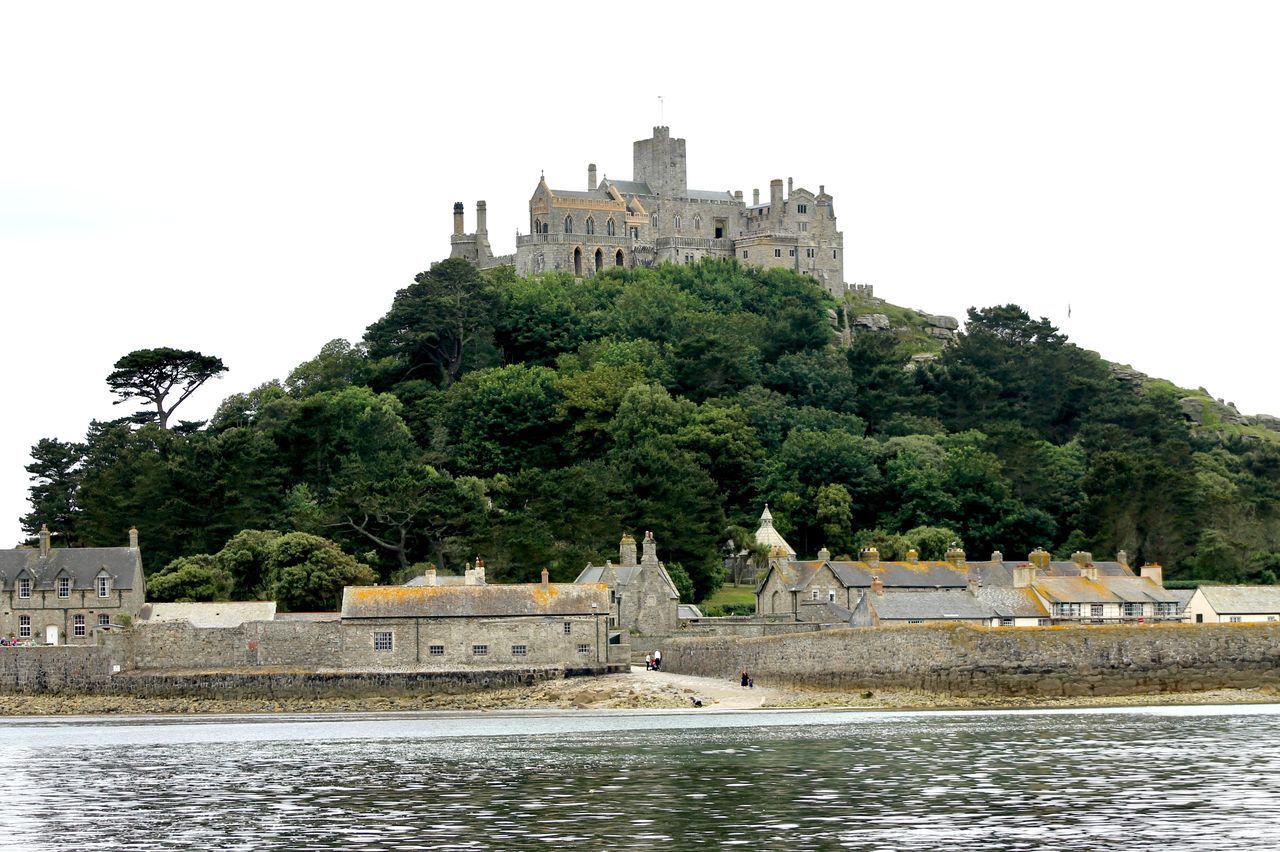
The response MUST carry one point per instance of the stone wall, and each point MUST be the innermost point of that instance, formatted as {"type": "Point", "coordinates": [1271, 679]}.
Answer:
{"type": "Point", "coordinates": [312, 644]}
{"type": "Point", "coordinates": [1060, 661]}
{"type": "Point", "coordinates": [58, 668]}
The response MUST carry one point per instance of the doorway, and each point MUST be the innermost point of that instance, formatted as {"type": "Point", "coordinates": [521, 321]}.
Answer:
{"type": "Point", "coordinates": [51, 635]}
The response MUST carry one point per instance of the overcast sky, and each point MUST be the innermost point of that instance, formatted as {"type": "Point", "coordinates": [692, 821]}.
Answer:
{"type": "Point", "coordinates": [254, 179]}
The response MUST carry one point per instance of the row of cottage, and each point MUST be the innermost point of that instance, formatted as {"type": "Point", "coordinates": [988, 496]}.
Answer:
{"type": "Point", "coordinates": [57, 596]}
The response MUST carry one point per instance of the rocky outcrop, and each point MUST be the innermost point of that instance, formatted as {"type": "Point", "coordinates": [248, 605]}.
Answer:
{"type": "Point", "coordinates": [873, 322]}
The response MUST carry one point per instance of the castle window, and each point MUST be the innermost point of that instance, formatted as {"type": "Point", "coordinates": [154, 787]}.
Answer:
{"type": "Point", "coordinates": [653, 219]}
{"type": "Point", "coordinates": [804, 226]}
{"type": "Point", "coordinates": [617, 258]}
{"type": "Point", "coordinates": [568, 224]}
{"type": "Point", "coordinates": [791, 252]}
{"type": "Point", "coordinates": [568, 628]}
{"type": "Point", "coordinates": [24, 627]}
{"type": "Point", "coordinates": [610, 228]}
{"type": "Point", "coordinates": [744, 254]}
{"type": "Point", "coordinates": [697, 223]}
{"type": "Point", "coordinates": [677, 223]}
{"type": "Point", "coordinates": [480, 650]}
{"type": "Point", "coordinates": [382, 640]}
{"type": "Point", "coordinates": [77, 625]}
{"type": "Point", "coordinates": [584, 649]}
{"type": "Point", "coordinates": [537, 226]}
{"type": "Point", "coordinates": [777, 252]}
{"type": "Point", "coordinates": [546, 227]}
{"type": "Point", "coordinates": [833, 254]}
{"type": "Point", "coordinates": [64, 587]}
{"type": "Point", "coordinates": [635, 233]}
{"type": "Point", "coordinates": [104, 586]}
{"type": "Point", "coordinates": [802, 208]}
{"type": "Point", "coordinates": [688, 258]}
{"type": "Point", "coordinates": [104, 620]}
{"type": "Point", "coordinates": [810, 252]}
{"type": "Point", "coordinates": [24, 587]}
{"type": "Point", "coordinates": [519, 650]}
{"type": "Point", "coordinates": [591, 225]}
{"type": "Point", "coordinates": [435, 650]}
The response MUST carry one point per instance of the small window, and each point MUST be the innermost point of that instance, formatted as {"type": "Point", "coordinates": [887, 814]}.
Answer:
{"type": "Point", "coordinates": [610, 228]}
{"type": "Point", "coordinates": [104, 620]}
{"type": "Point", "coordinates": [744, 254]}
{"type": "Point", "coordinates": [568, 628]}
{"type": "Point", "coordinates": [584, 649]}
{"type": "Point", "coordinates": [802, 208]}
{"type": "Point", "coordinates": [519, 650]}
{"type": "Point", "coordinates": [810, 252]}
{"type": "Point", "coordinates": [1233, 619]}
{"type": "Point", "coordinates": [1006, 622]}
{"type": "Point", "coordinates": [568, 224]}
{"type": "Point", "coordinates": [804, 226]}
{"type": "Point", "coordinates": [64, 587]}
{"type": "Point", "coordinates": [24, 627]}
{"type": "Point", "coordinates": [435, 650]}
{"type": "Point", "coordinates": [1043, 622]}
{"type": "Point", "coordinates": [653, 219]}
{"type": "Point", "coordinates": [677, 223]}
{"type": "Point", "coordinates": [479, 650]}
{"type": "Point", "coordinates": [833, 254]}
{"type": "Point", "coordinates": [697, 223]}
{"type": "Point", "coordinates": [382, 640]}
{"type": "Point", "coordinates": [777, 252]}
{"type": "Point", "coordinates": [104, 587]}
{"type": "Point", "coordinates": [813, 595]}
{"type": "Point", "coordinates": [24, 587]}
{"type": "Point", "coordinates": [77, 625]}
{"type": "Point", "coordinates": [915, 621]}
{"type": "Point", "coordinates": [635, 233]}
{"type": "Point", "coordinates": [831, 596]}
{"type": "Point", "coordinates": [791, 252]}
{"type": "Point", "coordinates": [1095, 610]}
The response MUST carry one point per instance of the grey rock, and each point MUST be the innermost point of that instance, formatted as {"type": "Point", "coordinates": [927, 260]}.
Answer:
{"type": "Point", "coordinates": [877, 322]}
{"type": "Point", "coordinates": [942, 321]}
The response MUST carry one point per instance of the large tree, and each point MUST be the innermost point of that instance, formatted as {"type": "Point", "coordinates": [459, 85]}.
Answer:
{"type": "Point", "coordinates": [155, 374]}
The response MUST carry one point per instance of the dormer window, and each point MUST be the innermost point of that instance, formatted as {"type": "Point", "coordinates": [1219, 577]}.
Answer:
{"type": "Point", "coordinates": [104, 586]}
{"type": "Point", "coordinates": [64, 587]}
{"type": "Point", "coordinates": [24, 587]}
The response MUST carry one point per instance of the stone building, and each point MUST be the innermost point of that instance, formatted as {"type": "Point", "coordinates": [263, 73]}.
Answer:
{"type": "Point", "coordinates": [62, 595]}
{"type": "Point", "coordinates": [655, 217]}
{"type": "Point", "coordinates": [1233, 604]}
{"type": "Point", "coordinates": [470, 625]}
{"type": "Point", "coordinates": [642, 597]}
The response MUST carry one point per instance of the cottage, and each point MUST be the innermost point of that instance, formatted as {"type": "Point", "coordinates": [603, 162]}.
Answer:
{"type": "Point", "coordinates": [61, 595]}
{"type": "Point", "coordinates": [1233, 604]}
{"type": "Point", "coordinates": [1094, 598]}
{"type": "Point", "coordinates": [881, 607]}
{"type": "Point", "coordinates": [642, 597]}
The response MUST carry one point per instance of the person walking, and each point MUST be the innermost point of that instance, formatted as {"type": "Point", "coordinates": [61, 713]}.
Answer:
{"type": "Point", "coordinates": [657, 659]}
{"type": "Point", "coordinates": [745, 678]}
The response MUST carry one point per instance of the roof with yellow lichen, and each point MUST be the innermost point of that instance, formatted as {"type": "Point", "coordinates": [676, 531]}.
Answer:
{"type": "Point", "coordinates": [493, 601]}
{"type": "Point", "coordinates": [1102, 590]}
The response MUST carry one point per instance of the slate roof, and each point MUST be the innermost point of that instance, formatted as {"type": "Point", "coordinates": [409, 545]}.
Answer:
{"type": "Point", "coordinates": [769, 536]}
{"type": "Point", "coordinates": [593, 194]}
{"type": "Point", "coordinates": [82, 564]}
{"type": "Point", "coordinates": [688, 611]}
{"type": "Point", "coordinates": [223, 614]}
{"type": "Point", "coordinates": [632, 187]}
{"type": "Point", "coordinates": [1183, 595]}
{"type": "Point", "coordinates": [918, 575]}
{"type": "Point", "coordinates": [1242, 600]}
{"type": "Point", "coordinates": [441, 580]}
{"type": "Point", "coordinates": [708, 195]}
{"type": "Point", "coordinates": [931, 606]}
{"type": "Point", "coordinates": [825, 612]}
{"type": "Point", "coordinates": [1103, 590]}
{"type": "Point", "coordinates": [1008, 602]}
{"type": "Point", "coordinates": [474, 601]}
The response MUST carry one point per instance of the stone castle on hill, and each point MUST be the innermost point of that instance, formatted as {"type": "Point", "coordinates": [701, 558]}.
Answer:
{"type": "Point", "coordinates": [656, 218]}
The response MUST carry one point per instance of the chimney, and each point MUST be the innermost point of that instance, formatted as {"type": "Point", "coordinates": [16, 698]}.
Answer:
{"type": "Point", "coordinates": [1154, 572]}
{"type": "Point", "coordinates": [546, 579]}
{"type": "Point", "coordinates": [871, 556]}
{"type": "Point", "coordinates": [479, 571]}
{"type": "Point", "coordinates": [737, 195]}
{"type": "Point", "coordinates": [822, 189]}
{"type": "Point", "coordinates": [973, 583]}
{"type": "Point", "coordinates": [648, 550]}
{"type": "Point", "coordinates": [913, 556]}
{"type": "Point", "coordinates": [133, 538]}
{"type": "Point", "coordinates": [997, 556]}
{"type": "Point", "coordinates": [457, 218]}
{"type": "Point", "coordinates": [44, 540]}
{"type": "Point", "coordinates": [591, 176]}
{"type": "Point", "coordinates": [1082, 558]}
{"type": "Point", "coordinates": [1039, 558]}
{"type": "Point", "coordinates": [469, 575]}
{"type": "Point", "coordinates": [788, 187]}
{"type": "Point", "coordinates": [1024, 573]}
{"type": "Point", "coordinates": [775, 197]}
{"type": "Point", "coordinates": [482, 220]}
{"type": "Point", "coordinates": [955, 556]}
{"type": "Point", "coordinates": [877, 586]}
{"type": "Point", "coordinates": [824, 555]}
{"type": "Point", "coordinates": [430, 574]}
{"type": "Point", "coordinates": [627, 550]}
{"type": "Point", "coordinates": [1123, 558]}
{"type": "Point", "coordinates": [755, 198]}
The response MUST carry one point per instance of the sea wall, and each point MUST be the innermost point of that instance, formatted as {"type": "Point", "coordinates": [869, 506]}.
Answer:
{"type": "Point", "coordinates": [1058, 661]}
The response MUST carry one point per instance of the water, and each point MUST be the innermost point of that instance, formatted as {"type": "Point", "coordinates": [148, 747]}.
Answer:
{"type": "Point", "coordinates": [1146, 778]}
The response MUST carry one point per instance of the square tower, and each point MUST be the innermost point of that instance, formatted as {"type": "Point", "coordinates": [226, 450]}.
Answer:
{"type": "Point", "coordinates": [660, 162]}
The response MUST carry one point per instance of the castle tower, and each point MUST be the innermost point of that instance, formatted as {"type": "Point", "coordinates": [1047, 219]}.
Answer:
{"type": "Point", "coordinates": [660, 162]}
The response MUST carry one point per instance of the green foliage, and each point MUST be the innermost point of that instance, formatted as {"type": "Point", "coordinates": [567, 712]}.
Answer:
{"type": "Point", "coordinates": [191, 578]}
{"type": "Point", "coordinates": [306, 572]}
{"type": "Point", "coordinates": [154, 374]}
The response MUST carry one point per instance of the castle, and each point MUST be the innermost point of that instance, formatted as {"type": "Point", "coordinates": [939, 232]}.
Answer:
{"type": "Point", "coordinates": [655, 218]}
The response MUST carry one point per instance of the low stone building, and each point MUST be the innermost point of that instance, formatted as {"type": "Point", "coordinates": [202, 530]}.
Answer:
{"type": "Point", "coordinates": [1233, 604]}
{"type": "Point", "coordinates": [215, 614]}
{"type": "Point", "coordinates": [61, 595]}
{"type": "Point", "coordinates": [642, 597]}
{"type": "Point", "coordinates": [458, 626]}
{"type": "Point", "coordinates": [881, 608]}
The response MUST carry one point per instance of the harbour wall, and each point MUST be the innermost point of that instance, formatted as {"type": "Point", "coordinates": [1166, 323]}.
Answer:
{"type": "Point", "coordinates": [965, 660]}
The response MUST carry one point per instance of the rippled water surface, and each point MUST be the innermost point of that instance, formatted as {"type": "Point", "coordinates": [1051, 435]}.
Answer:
{"type": "Point", "coordinates": [1172, 778]}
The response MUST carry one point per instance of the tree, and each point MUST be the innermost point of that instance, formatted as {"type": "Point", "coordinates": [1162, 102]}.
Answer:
{"type": "Point", "coordinates": [55, 476]}
{"type": "Point", "coordinates": [153, 374]}
{"type": "Point", "coordinates": [191, 578]}
{"type": "Point", "coordinates": [307, 572]}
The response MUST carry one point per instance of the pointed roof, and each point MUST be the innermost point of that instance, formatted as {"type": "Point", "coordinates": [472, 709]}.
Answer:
{"type": "Point", "coordinates": [770, 537]}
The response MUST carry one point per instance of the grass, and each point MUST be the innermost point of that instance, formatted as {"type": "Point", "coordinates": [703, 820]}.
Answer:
{"type": "Point", "coordinates": [728, 594]}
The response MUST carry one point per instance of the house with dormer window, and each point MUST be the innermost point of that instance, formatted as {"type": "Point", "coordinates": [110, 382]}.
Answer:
{"type": "Point", "coordinates": [62, 595]}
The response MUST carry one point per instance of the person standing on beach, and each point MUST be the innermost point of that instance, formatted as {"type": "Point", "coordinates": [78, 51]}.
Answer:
{"type": "Point", "coordinates": [657, 659]}
{"type": "Point", "coordinates": [745, 678]}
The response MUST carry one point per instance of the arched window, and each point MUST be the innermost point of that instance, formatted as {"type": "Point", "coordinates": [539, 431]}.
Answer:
{"type": "Point", "coordinates": [610, 228]}
{"type": "Point", "coordinates": [697, 223]}
{"type": "Point", "coordinates": [617, 258]}
{"type": "Point", "coordinates": [591, 225]}
{"type": "Point", "coordinates": [653, 219]}
{"type": "Point", "coordinates": [599, 260]}
{"type": "Point", "coordinates": [546, 227]}
{"type": "Point", "coordinates": [568, 224]}
{"type": "Point", "coordinates": [677, 222]}
{"type": "Point", "coordinates": [537, 226]}
{"type": "Point", "coordinates": [577, 262]}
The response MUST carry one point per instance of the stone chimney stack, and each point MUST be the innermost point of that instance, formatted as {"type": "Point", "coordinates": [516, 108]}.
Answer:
{"type": "Point", "coordinates": [546, 579]}
{"type": "Point", "coordinates": [482, 219]}
{"type": "Point", "coordinates": [913, 556]}
{"type": "Point", "coordinates": [648, 550]}
{"type": "Point", "coordinates": [973, 582]}
{"type": "Point", "coordinates": [955, 556]}
{"type": "Point", "coordinates": [1024, 574]}
{"type": "Point", "coordinates": [133, 538]}
{"type": "Point", "coordinates": [1039, 558]}
{"type": "Point", "coordinates": [871, 556]}
{"type": "Point", "coordinates": [469, 575]}
{"type": "Point", "coordinates": [1123, 558]}
{"type": "Point", "coordinates": [430, 576]}
{"type": "Point", "coordinates": [627, 550]}
{"type": "Point", "coordinates": [997, 556]}
{"type": "Point", "coordinates": [877, 586]}
{"type": "Point", "coordinates": [788, 187]}
{"type": "Point", "coordinates": [479, 571]}
{"type": "Point", "coordinates": [755, 198]}
{"type": "Point", "coordinates": [591, 176]}
{"type": "Point", "coordinates": [824, 555]}
{"type": "Point", "coordinates": [1084, 560]}
{"type": "Point", "coordinates": [737, 195]}
{"type": "Point", "coordinates": [1154, 572]}
{"type": "Point", "coordinates": [457, 218]}
{"type": "Point", "coordinates": [775, 197]}
{"type": "Point", "coordinates": [44, 540]}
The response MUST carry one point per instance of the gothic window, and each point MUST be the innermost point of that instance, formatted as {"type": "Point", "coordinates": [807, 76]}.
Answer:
{"type": "Point", "coordinates": [599, 260]}
{"type": "Point", "coordinates": [591, 225]}
{"type": "Point", "coordinates": [617, 258]}
{"type": "Point", "coordinates": [677, 223]}
{"type": "Point", "coordinates": [568, 224]}
{"type": "Point", "coordinates": [653, 219]}
{"type": "Point", "coordinates": [635, 233]}
{"type": "Point", "coordinates": [537, 226]}
{"type": "Point", "coordinates": [697, 223]}
{"type": "Point", "coordinates": [546, 227]}
{"type": "Point", "coordinates": [610, 228]}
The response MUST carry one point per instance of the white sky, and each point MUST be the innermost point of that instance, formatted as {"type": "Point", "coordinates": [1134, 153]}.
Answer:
{"type": "Point", "coordinates": [254, 179]}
